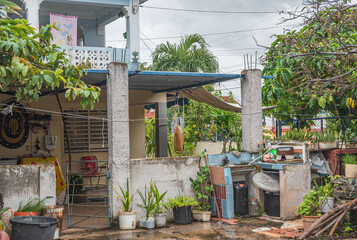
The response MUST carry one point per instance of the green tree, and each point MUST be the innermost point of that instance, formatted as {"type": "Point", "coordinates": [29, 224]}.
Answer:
{"type": "Point", "coordinates": [29, 63]}
{"type": "Point", "coordinates": [314, 68]}
{"type": "Point", "coordinates": [190, 55]}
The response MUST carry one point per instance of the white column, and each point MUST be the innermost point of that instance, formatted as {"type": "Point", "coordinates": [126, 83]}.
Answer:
{"type": "Point", "coordinates": [118, 132]}
{"type": "Point", "coordinates": [133, 32]}
{"type": "Point", "coordinates": [252, 127]}
{"type": "Point", "coordinates": [32, 13]}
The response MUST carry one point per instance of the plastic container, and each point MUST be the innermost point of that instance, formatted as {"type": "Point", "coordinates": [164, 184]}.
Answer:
{"type": "Point", "coordinates": [253, 206]}
{"type": "Point", "coordinates": [240, 198]}
{"type": "Point", "coordinates": [272, 204]}
{"type": "Point", "coordinates": [327, 204]}
{"type": "Point", "coordinates": [147, 223]}
{"type": "Point", "coordinates": [33, 227]}
{"type": "Point", "coordinates": [182, 215]}
{"type": "Point", "coordinates": [160, 220]}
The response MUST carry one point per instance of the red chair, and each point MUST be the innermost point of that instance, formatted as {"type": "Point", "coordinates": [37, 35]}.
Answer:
{"type": "Point", "coordinates": [90, 169]}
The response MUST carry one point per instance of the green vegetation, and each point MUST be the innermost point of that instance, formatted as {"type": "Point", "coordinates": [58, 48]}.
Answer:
{"type": "Point", "coordinates": [32, 205]}
{"type": "Point", "coordinates": [313, 67]}
{"type": "Point", "coordinates": [203, 189]}
{"type": "Point", "coordinates": [301, 135]}
{"type": "Point", "coordinates": [30, 63]}
{"type": "Point", "coordinates": [311, 205]}
{"type": "Point", "coordinates": [326, 136]}
{"type": "Point", "coordinates": [181, 201]}
{"type": "Point", "coordinates": [349, 159]}
{"type": "Point", "coordinates": [190, 55]}
{"type": "Point", "coordinates": [159, 199]}
{"type": "Point", "coordinates": [148, 200]}
{"type": "Point", "coordinates": [125, 197]}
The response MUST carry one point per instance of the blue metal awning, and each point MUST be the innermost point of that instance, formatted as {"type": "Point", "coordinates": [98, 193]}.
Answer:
{"type": "Point", "coordinates": [163, 81]}
{"type": "Point", "coordinates": [172, 81]}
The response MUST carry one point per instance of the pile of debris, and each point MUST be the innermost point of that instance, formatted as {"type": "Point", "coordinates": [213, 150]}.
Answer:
{"type": "Point", "coordinates": [330, 219]}
{"type": "Point", "coordinates": [346, 188]}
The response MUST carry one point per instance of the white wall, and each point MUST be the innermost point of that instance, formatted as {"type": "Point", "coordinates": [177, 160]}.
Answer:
{"type": "Point", "coordinates": [170, 174]}
{"type": "Point", "coordinates": [24, 182]}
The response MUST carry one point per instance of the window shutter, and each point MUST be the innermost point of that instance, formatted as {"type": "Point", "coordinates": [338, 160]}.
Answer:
{"type": "Point", "coordinates": [85, 134]}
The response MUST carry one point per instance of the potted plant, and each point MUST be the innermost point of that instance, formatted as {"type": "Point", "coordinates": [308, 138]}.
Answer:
{"type": "Point", "coordinates": [32, 207]}
{"type": "Point", "coordinates": [182, 208]}
{"type": "Point", "coordinates": [310, 209]}
{"type": "Point", "coordinates": [325, 140]}
{"type": "Point", "coordinates": [203, 190]}
{"type": "Point", "coordinates": [160, 207]}
{"type": "Point", "coordinates": [326, 193]}
{"type": "Point", "coordinates": [77, 192]}
{"type": "Point", "coordinates": [148, 205]}
{"type": "Point", "coordinates": [350, 165]}
{"type": "Point", "coordinates": [127, 216]}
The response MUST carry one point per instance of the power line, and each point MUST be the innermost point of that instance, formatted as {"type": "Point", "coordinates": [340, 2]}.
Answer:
{"type": "Point", "coordinates": [218, 33]}
{"type": "Point", "coordinates": [212, 11]}
{"type": "Point", "coordinates": [146, 45]}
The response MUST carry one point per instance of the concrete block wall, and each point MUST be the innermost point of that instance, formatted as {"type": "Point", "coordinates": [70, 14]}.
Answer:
{"type": "Point", "coordinates": [170, 174]}
{"type": "Point", "coordinates": [23, 182]}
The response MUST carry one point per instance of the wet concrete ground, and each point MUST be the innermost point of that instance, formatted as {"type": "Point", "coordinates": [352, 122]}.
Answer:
{"type": "Point", "coordinates": [195, 230]}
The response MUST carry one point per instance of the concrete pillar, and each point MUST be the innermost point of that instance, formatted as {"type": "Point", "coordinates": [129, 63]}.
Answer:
{"type": "Point", "coordinates": [161, 129]}
{"type": "Point", "coordinates": [32, 13]}
{"type": "Point", "coordinates": [133, 34]}
{"type": "Point", "coordinates": [118, 132]}
{"type": "Point", "coordinates": [252, 127]}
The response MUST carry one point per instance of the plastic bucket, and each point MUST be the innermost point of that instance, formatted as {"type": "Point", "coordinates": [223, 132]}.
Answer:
{"type": "Point", "coordinates": [160, 220]}
{"type": "Point", "coordinates": [327, 204]}
{"type": "Point", "coordinates": [182, 215]}
{"type": "Point", "coordinates": [33, 227]}
{"type": "Point", "coordinates": [272, 204]}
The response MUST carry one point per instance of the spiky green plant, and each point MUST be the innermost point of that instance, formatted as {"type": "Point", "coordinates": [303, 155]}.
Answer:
{"type": "Point", "coordinates": [349, 159]}
{"type": "Point", "coordinates": [32, 205]}
{"type": "Point", "coordinates": [125, 197]}
{"type": "Point", "coordinates": [159, 199]}
{"type": "Point", "coordinates": [148, 201]}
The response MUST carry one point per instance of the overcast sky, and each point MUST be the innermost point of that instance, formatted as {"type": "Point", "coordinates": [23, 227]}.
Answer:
{"type": "Point", "coordinates": [156, 24]}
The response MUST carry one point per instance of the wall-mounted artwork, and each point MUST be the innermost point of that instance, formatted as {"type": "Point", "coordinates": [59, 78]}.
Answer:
{"type": "Point", "coordinates": [14, 126]}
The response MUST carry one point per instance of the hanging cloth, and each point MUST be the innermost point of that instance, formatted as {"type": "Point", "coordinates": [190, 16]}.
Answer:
{"type": "Point", "coordinates": [178, 140]}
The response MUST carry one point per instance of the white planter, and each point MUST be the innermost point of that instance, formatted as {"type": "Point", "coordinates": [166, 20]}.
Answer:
{"type": "Point", "coordinates": [160, 220]}
{"type": "Point", "coordinates": [201, 216]}
{"type": "Point", "coordinates": [127, 220]}
{"type": "Point", "coordinates": [328, 204]}
{"type": "Point", "coordinates": [327, 145]}
{"type": "Point", "coordinates": [147, 223]}
{"type": "Point", "coordinates": [351, 170]}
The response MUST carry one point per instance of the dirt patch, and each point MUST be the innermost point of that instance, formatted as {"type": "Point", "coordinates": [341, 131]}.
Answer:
{"type": "Point", "coordinates": [256, 222]}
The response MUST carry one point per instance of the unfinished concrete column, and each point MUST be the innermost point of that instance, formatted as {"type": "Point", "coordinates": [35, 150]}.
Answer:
{"type": "Point", "coordinates": [252, 127]}
{"type": "Point", "coordinates": [161, 129]}
{"type": "Point", "coordinates": [118, 131]}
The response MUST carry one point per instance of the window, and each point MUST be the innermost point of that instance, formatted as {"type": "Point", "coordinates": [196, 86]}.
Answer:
{"type": "Point", "coordinates": [86, 131]}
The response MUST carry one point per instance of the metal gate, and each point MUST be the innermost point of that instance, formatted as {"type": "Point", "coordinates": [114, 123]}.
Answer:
{"type": "Point", "coordinates": [87, 194]}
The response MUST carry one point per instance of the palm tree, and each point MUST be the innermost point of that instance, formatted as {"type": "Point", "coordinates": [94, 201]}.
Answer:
{"type": "Point", "coordinates": [190, 55]}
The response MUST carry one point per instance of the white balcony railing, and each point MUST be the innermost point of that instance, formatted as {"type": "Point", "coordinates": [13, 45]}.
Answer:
{"type": "Point", "coordinates": [95, 57]}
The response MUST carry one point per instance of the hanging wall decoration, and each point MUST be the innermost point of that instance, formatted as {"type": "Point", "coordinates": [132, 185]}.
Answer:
{"type": "Point", "coordinates": [14, 125]}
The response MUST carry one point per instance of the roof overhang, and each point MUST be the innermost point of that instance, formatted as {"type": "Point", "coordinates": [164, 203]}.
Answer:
{"type": "Point", "coordinates": [173, 81]}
